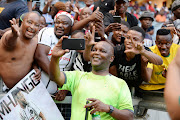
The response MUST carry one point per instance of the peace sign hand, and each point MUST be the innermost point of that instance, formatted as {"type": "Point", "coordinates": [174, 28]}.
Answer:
{"type": "Point", "coordinates": [89, 37]}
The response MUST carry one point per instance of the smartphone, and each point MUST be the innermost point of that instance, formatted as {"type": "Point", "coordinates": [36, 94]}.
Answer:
{"type": "Point", "coordinates": [73, 44]}
{"type": "Point", "coordinates": [38, 4]}
{"type": "Point", "coordinates": [97, 37]}
{"type": "Point", "coordinates": [117, 19]}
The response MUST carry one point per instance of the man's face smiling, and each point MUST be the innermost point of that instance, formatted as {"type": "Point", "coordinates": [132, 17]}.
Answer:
{"type": "Point", "coordinates": [101, 55]}
{"type": "Point", "coordinates": [62, 26]}
{"type": "Point", "coordinates": [30, 25]}
{"type": "Point", "coordinates": [164, 43]}
{"type": "Point", "coordinates": [136, 37]}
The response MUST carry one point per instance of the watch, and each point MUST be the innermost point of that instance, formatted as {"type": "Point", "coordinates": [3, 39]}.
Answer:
{"type": "Point", "coordinates": [111, 109]}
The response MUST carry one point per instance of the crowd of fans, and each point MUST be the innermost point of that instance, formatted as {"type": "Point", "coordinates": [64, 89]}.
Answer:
{"type": "Point", "coordinates": [135, 50]}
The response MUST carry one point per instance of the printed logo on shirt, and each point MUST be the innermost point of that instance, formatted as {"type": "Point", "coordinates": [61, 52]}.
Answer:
{"type": "Point", "coordinates": [1, 9]}
{"type": "Point", "coordinates": [128, 72]}
{"type": "Point", "coordinates": [158, 73]}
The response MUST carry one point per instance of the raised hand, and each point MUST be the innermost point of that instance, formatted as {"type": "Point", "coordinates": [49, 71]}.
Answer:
{"type": "Point", "coordinates": [14, 27]}
{"type": "Point", "coordinates": [57, 50]}
{"type": "Point", "coordinates": [75, 9]}
{"type": "Point", "coordinates": [89, 38]}
{"type": "Point", "coordinates": [113, 26]}
{"type": "Point", "coordinates": [97, 15]}
{"type": "Point", "coordinates": [137, 47]}
{"type": "Point", "coordinates": [100, 28]}
{"type": "Point", "coordinates": [97, 105]}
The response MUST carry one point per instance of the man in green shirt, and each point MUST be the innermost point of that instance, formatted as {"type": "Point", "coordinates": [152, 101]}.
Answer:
{"type": "Point", "coordinates": [107, 94]}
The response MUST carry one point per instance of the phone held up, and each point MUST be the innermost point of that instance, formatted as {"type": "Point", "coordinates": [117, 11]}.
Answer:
{"type": "Point", "coordinates": [73, 44]}
{"type": "Point", "coordinates": [117, 19]}
{"type": "Point", "coordinates": [38, 4]}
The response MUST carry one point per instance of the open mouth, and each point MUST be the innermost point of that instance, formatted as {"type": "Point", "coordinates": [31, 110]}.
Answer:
{"type": "Point", "coordinates": [59, 30]}
{"type": "Point", "coordinates": [30, 31]}
{"type": "Point", "coordinates": [95, 59]}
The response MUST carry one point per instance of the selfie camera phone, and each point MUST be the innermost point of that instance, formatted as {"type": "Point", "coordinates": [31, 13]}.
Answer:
{"type": "Point", "coordinates": [97, 37]}
{"type": "Point", "coordinates": [73, 44]}
{"type": "Point", "coordinates": [117, 19]}
{"type": "Point", "coordinates": [38, 5]}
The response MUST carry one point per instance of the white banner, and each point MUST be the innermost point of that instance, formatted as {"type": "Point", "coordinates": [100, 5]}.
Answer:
{"type": "Point", "coordinates": [29, 100]}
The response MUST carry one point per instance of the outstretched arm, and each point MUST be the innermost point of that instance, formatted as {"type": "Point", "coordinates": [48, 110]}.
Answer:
{"type": "Point", "coordinates": [96, 16]}
{"type": "Point", "coordinates": [54, 70]}
{"type": "Point", "coordinates": [10, 38]}
{"type": "Point", "coordinates": [146, 73]}
{"type": "Point", "coordinates": [172, 88]}
{"type": "Point", "coordinates": [45, 9]}
{"type": "Point", "coordinates": [152, 57]}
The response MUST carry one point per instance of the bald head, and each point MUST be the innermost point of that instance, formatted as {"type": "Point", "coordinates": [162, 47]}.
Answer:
{"type": "Point", "coordinates": [85, 12]}
{"type": "Point", "coordinates": [25, 15]}
{"type": "Point", "coordinates": [101, 56]}
{"type": "Point", "coordinates": [108, 46]}
{"type": "Point", "coordinates": [30, 25]}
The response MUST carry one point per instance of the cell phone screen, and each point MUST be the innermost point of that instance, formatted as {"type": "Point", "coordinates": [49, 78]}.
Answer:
{"type": "Point", "coordinates": [73, 44]}
{"type": "Point", "coordinates": [117, 19]}
{"type": "Point", "coordinates": [38, 4]}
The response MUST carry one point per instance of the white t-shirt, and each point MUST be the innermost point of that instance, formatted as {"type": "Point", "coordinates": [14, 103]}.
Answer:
{"type": "Point", "coordinates": [47, 37]}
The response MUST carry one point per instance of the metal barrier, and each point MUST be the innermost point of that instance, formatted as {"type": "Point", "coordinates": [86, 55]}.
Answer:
{"type": "Point", "coordinates": [150, 100]}
{"type": "Point", "coordinates": [65, 107]}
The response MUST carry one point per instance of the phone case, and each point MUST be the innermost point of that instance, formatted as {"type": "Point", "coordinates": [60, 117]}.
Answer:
{"type": "Point", "coordinates": [73, 44]}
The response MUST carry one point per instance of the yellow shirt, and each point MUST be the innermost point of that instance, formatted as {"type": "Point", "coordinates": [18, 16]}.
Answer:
{"type": "Point", "coordinates": [157, 77]}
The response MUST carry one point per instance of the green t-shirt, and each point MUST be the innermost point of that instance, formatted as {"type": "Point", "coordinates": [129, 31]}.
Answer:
{"type": "Point", "coordinates": [108, 89]}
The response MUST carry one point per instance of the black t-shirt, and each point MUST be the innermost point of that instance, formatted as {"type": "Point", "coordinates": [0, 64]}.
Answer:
{"type": "Point", "coordinates": [131, 19]}
{"type": "Point", "coordinates": [130, 71]}
{"type": "Point", "coordinates": [11, 10]}
{"type": "Point", "coordinates": [105, 6]}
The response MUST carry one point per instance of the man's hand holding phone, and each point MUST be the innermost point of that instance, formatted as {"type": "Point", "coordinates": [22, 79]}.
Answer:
{"type": "Point", "coordinates": [112, 27]}
{"type": "Point", "coordinates": [57, 50]}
